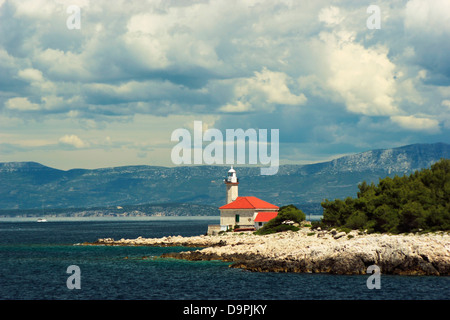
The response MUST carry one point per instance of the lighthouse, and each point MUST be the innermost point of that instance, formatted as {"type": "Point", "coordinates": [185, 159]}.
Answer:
{"type": "Point", "coordinates": [232, 183]}
{"type": "Point", "coordinates": [239, 213]}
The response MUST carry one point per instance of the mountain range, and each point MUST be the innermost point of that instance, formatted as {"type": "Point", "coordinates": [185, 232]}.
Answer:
{"type": "Point", "coordinates": [30, 185]}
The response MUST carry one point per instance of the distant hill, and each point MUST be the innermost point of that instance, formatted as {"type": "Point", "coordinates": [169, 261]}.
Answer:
{"type": "Point", "coordinates": [30, 185]}
{"type": "Point", "coordinates": [136, 210]}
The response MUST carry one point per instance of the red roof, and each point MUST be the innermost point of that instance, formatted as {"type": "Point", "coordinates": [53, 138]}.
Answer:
{"type": "Point", "coordinates": [265, 216]}
{"type": "Point", "coordinates": [249, 203]}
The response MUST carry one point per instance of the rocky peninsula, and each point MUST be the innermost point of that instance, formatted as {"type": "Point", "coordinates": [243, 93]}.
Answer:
{"type": "Point", "coordinates": [313, 251]}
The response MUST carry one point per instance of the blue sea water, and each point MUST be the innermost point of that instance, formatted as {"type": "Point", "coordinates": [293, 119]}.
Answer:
{"type": "Point", "coordinates": [34, 258]}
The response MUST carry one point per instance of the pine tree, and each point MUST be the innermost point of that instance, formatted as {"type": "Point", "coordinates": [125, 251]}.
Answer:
{"type": "Point", "coordinates": [420, 201]}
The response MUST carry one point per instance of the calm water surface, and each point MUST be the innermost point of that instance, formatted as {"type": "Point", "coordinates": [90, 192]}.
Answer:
{"type": "Point", "coordinates": [34, 258]}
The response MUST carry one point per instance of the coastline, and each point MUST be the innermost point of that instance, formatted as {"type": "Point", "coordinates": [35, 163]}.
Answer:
{"type": "Point", "coordinates": [312, 251]}
{"type": "Point", "coordinates": [52, 218]}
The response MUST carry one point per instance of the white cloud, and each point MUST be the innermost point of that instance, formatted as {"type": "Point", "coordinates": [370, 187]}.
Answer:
{"type": "Point", "coordinates": [274, 85]}
{"type": "Point", "coordinates": [446, 103]}
{"type": "Point", "coordinates": [262, 92]}
{"type": "Point", "coordinates": [73, 140]}
{"type": "Point", "coordinates": [35, 8]}
{"type": "Point", "coordinates": [37, 81]}
{"type": "Point", "coordinates": [53, 102]}
{"type": "Point", "coordinates": [239, 106]}
{"type": "Point", "coordinates": [144, 43]}
{"type": "Point", "coordinates": [311, 68]}
{"type": "Point", "coordinates": [331, 16]}
{"type": "Point", "coordinates": [50, 103]}
{"type": "Point", "coordinates": [21, 104]}
{"type": "Point", "coordinates": [31, 74]}
{"type": "Point", "coordinates": [427, 29]}
{"type": "Point", "coordinates": [362, 77]}
{"type": "Point", "coordinates": [64, 65]}
{"type": "Point", "coordinates": [178, 36]}
{"type": "Point", "coordinates": [425, 16]}
{"type": "Point", "coordinates": [416, 123]}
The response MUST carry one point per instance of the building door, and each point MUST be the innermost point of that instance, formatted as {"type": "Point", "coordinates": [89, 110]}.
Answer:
{"type": "Point", "coordinates": [236, 218]}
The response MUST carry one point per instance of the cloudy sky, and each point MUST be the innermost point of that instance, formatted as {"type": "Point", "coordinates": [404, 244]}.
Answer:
{"type": "Point", "coordinates": [111, 92]}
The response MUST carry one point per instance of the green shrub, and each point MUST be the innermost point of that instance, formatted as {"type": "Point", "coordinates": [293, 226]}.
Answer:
{"type": "Point", "coordinates": [279, 228]}
{"type": "Point", "coordinates": [285, 213]}
{"type": "Point", "coordinates": [344, 229]}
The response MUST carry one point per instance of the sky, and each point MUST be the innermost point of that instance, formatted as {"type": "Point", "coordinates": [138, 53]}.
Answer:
{"type": "Point", "coordinates": [108, 87]}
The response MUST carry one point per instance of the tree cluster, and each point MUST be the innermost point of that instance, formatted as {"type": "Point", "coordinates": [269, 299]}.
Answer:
{"type": "Point", "coordinates": [278, 224]}
{"type": "Point", "coordinates": [418, 202]}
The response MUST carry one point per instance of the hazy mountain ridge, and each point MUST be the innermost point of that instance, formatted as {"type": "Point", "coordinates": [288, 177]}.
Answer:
{"type": "Point", "coordinates": [27, 185]}
{"type": "Point", "coordinates": [403, 159]}
{"type": "Point", "coordinates": [166, 209]}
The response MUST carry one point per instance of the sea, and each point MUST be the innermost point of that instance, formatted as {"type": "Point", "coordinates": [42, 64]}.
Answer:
{"type": "Point", "coordinates": [37, 262]}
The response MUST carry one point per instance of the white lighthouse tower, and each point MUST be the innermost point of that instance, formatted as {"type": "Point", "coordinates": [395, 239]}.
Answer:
{"type": "Point", "coordinates": [232, 183]}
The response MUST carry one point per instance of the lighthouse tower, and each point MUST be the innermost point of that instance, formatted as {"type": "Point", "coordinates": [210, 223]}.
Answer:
{"type": "Point", "coordinates": [232, 183]}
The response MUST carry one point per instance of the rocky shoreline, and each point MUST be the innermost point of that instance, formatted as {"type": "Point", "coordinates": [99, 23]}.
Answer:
{"type": "Point", "coordinates": [312, 251]}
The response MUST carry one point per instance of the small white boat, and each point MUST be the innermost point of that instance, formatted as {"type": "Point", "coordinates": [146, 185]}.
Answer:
{"type": "Point", "coordinates": [42, 220]}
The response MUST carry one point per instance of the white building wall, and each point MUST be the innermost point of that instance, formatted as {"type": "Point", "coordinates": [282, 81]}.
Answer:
{"type": "Point", "coordinates": [232, 192]}
{"type": "Point", "coordinates": [228, 218]}
{"type": "Point", "coordinates": [246, 217]}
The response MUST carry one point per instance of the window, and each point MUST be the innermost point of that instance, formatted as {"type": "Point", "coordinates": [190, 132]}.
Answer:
{"type": "Point", "coordinates": [236, 218]}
